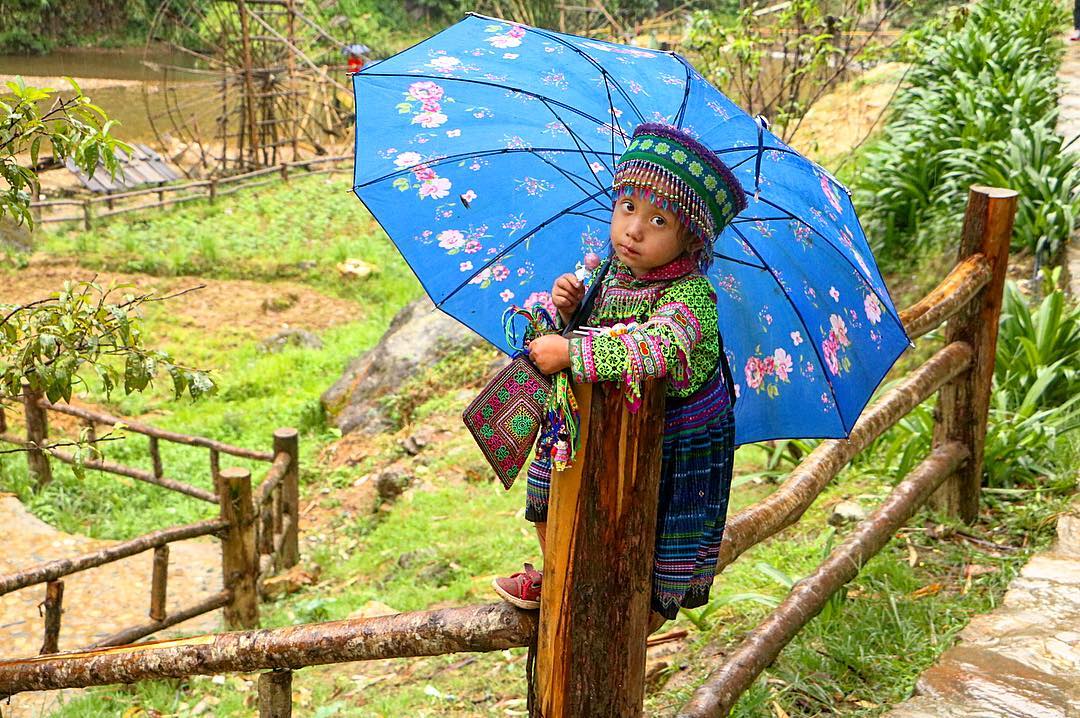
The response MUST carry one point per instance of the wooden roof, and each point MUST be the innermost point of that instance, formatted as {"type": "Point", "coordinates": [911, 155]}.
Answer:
{"type": "Point", "coordinates": [143, 166]}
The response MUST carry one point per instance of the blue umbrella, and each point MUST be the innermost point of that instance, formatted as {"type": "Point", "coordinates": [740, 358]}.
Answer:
{"type": "Point", "coordinates": [486, 153]}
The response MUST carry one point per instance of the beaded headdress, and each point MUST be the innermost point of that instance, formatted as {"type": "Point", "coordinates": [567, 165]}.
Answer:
{"type": "Point", "coordinates": [671, 169]}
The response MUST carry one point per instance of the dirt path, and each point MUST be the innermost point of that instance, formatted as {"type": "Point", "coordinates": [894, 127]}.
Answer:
{"type": "Point", "coordinates": [97, 602]}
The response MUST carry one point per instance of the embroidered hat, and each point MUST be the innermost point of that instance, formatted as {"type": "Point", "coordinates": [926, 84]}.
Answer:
{"type": "Point", "coordinates": [671, 169]}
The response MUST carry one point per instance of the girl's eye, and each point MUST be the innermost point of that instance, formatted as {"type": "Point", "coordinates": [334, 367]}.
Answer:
{"type": "Point", "coordinates": [659, 221]}
{"type": "Point", "coordinates": [628, 205]}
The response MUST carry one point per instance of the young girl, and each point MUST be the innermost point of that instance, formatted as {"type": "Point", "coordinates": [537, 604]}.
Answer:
{"type": "Point", "coordinates": [673, 196]}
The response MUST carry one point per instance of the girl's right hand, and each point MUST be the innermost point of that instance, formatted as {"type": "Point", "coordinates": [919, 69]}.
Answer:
{"type": "Point", "coordinates": [566, 294]}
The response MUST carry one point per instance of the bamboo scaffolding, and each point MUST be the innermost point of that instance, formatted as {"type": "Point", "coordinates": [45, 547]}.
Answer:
{"type": "Point", "coordinates": [761, 647]}
{"type": "Point", "coordinates": [422, 633]}
{"type": "Point", "coordinates": [52, 570]}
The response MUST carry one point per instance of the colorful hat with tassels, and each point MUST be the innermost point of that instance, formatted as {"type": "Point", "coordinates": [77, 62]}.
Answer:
{"type": "Point", "coordinates": [671, 169]}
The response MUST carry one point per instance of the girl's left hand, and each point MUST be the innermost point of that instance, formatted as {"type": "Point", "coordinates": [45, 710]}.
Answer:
{"type": "Point", "coordinates": [550, 353]}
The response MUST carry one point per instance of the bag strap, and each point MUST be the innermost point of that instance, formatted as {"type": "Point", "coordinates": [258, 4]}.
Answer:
{"type": "Point", "coordinates": [585, 309]}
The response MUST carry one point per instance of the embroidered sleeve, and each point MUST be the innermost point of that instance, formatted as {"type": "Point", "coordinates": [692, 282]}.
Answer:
{"type": "Point", "coordinates": [663, 346]}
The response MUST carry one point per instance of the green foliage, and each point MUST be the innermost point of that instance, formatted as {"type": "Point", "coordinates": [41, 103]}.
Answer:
{"type": "Point", "coordinates": [37, 26]}
{"type": "Point", "coordinates": [779, 63]}
{"type": "Point", "coordinates": [980, 107]}
{"type": "Point", "coordinates": [74, 128]}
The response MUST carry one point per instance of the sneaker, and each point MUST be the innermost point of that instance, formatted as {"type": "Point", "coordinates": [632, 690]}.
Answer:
{"type": "Point", "coordinates": [522, 588]}
{"type": "Point", "coordinates": [1075, 36]}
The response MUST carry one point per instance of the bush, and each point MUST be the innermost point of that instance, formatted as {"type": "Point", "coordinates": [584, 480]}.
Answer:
{"type": "Point", "coordinates": [980, 108]}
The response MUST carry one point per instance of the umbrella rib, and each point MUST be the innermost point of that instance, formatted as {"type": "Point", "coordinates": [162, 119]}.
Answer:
{"type": "Point", "coordinates": [843, 256]}
{"type": "Point", "coordinates": [809, 340]}
{"type": "Point", "coordinates": [743, 262]}
{"type": "Point", "coordinates": [503, 252]}
{"type": "Point", "coordinates": [595, 63]}
{"type": "Point", "coordinates": [686, 90]}
{"type": "Point", "coordinates": [488, 83]}
{"type": "Point", "coordinates": [482, 153]}
{"type": "Point", "coordinates": [746, 220]}
{"type": "Point", "coordinates": [578, 141]}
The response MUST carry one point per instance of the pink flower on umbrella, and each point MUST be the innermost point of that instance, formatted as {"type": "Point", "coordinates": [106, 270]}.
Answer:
{"type": "Point", "coordinates": [796, 338]}
{"type": "Point", "coordinates": [425, 91]}
{"type": "Point", "coordinates": [506, 295]}
{"type": "Point", "coordinates": [500, 272]}
{"type": "Point", "coordinates": [829, 348]}
{"type": "Point", "coordinates": [783, 363]}
{"type": "Point", "coordinates": [753, 373]}
{"type": "Point", "coordinates": [435, 188]}
{"type": "Point", "coordinates": [429, 119]}
{"type": "Point", "coordinates": [516, 31]}
{"type": "Point", "coordinates": [543, 299]}
{"type": "Point", "coordinates": [430, 106]}
{"type": "Point", "coordinates": [767, 365]}
{"type": "Point", "coordinates": [839, 330]}
{"type": "Point", "coordinates": [872, 306]}
{"type": "Point", "coordinates": [472, 247]}
{"type": "Point", "coordinates": [424, 173]}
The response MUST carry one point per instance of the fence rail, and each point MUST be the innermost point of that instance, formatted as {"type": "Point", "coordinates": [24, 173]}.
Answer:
{"type": "Point", "coordinates": [181, 192]}
{"type": "Point", "coordinates": [957, 372]}
{"type": "Point", "coordinates": [256, 538]}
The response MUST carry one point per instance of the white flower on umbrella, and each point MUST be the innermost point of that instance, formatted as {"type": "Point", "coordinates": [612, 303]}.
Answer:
{"type": "Point", "coordinates": [597, 167]}
{"type": "Point", "coordinates": [453, 133]}
{"type": "Point", "coordinates": [465, 266]}
{"type": "Point", "coordinates": [469, 196]}
{"type": "Point", "coordinates": [504, 41]}
{"type": "Point", "coordinates": [446, 63]}
{"type": "Point", "coordinates": [834, 293]}
{"type": "Point", "coordinates": [407, 159]}
{"type": "Point", "coordinates": [436, 188]}
{"type": "Point", "coordinates": [796, 338]}
{"type": "Point", "coordinates": [783, 363]}
{"type": "Point", "coordinates": [506, 295]}
{"type": "Point", "coordinates": [429, 119]}
{"type": "Point", "coordinates": [839, 329]}
{"type": "Point", "coordinates": [451, 239]}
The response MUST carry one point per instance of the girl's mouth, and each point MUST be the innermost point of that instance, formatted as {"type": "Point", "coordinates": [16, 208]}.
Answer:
{"type": "Point", "coordinates": [628, 251]}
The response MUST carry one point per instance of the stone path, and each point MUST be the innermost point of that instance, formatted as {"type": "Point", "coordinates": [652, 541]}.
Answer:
{"type": "Point", "coordinates": [1069, 127]}
{"type": "Point", "coordinates": [97, 602]}
{"type": "Point", "coordinates": [1023, 659]}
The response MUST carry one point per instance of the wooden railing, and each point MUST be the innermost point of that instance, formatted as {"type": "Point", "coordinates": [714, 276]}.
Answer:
{"type": "Point", "coordinates": [258, 529]}
{"type": "Point", "coordinates": [589, 651]}
{"type": "Point", "coordinates": [89, 209]}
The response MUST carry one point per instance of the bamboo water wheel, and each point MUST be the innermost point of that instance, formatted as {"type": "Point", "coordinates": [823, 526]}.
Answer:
{"type": "Point", "coordinates": [244, 84]}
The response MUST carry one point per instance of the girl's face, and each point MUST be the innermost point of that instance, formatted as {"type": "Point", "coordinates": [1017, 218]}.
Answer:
{"type": "Point", "coordinates": [643, 235]}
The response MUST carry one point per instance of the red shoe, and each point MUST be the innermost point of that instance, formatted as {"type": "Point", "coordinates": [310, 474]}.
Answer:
{"type": "Point", "coordinates": [521, 589]}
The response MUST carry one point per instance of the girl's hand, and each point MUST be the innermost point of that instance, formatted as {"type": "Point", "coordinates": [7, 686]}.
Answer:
{"type": "Point", "coordinates": [550, 353]}
{"type": "Point", "coordinates": [566, 294]}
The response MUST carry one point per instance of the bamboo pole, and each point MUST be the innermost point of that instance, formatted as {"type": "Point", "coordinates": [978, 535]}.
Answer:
{"type": "Point", "coordinates": [491, 627]}
{"type": "Point", "coordinates": [590, 658]}
{"type": "Point", "coordinates": [287, 440]}
{"type": "Point", "coordinates": [239, 558]}
{"type": "Point", "coordinates": [786, 505]}
{"type": "Point", "coordinates": [52, 570]}
{"type": "Point", "coordinates": [53, 604]}
{"type": "Point", "coordinates": [130, 635]}
{"type": "Point", "coordinates": [37, 434]}
{"type": "Point", "coordinates": [159, 583]}
{"type": "Point", "coordinates": [275, 694]}
{"type": "Point", "coordinates": [760, 648]}
{"type": "Point", "coordinates": [963, 403]}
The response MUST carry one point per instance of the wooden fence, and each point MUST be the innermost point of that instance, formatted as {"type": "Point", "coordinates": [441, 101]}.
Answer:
{"type": "Point", "coordinates": [258, 530]}
{"type": "Point", "coordinates": [590, 651]}
{"type": "Point", "coordinates": [89, 209]}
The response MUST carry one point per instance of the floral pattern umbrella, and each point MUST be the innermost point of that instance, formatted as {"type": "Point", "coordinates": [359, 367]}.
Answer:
{"type": "Point", "coordinates": [486, 153]}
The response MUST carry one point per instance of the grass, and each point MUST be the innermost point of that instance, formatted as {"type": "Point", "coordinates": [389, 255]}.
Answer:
{"type": "Point", "coordinates": [448, 534]}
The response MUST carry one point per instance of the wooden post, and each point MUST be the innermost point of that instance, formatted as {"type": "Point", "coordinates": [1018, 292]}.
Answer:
{"type": "Point", "coordinates": [37, 433]}
{"type": "Point", "coordinates": [159, 583]}
{"type": "Point", "coordinates": [275, 694]}
{"type": "Point", "coordinates": [239, 559]}
{"type": "Point", "coordinates": [963, 403]}
{"type": "Point", "coordinates": [87, 218]}
{"type": "Point", "coordinates": [598, 564]}
{"type": "Point", "coordinates": [3, 420]}
{"type": "Point", "coordinates": [213, 190]}
{"type": "Point", "coordinates": [215, 466]}
{"type": "Point", "coordinates": [155, 457]}
{"type": "Point", "coordinates": [54, 602]}
{"type": "Point", "coordinates": [285, 171]}
{"type": "Point", "coordinates": [288, 440]}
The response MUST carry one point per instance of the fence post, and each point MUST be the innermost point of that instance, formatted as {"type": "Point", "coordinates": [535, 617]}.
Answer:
{"type": "Point", "coordinates": [288, 440]}
{"type": "Point", "coordinates": [275, 694]}
{"type": "Point", "coordinates": [53, 604]}
{"type": "Point", "coordinates": [159, 581]}
{"type": "Point", "coordinates": [87, 218]}
{"type": "Point", "coordinates": [598, 564]}
{"type": "Point", "coordinates": [37, 433]}
{"type": "Point", "coordinates": [285, 171]}
{"type": "Point", "coordinates": [213, 189]}
{"type": "Point", "coordinates": [963, 403]}
{"type": "Point", "coordinates": [239, 559]}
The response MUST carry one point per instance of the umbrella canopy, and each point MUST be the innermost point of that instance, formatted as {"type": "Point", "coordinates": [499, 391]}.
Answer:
{"type": "Point", "coordinates": [486, 152]}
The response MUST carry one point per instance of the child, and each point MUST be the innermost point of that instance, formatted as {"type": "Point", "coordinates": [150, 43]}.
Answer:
{"type": "Point", "coordinates": [672, 198]}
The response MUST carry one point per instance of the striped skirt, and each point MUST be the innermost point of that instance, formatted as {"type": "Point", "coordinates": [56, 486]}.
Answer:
{"type": "Point", "coordinates": [695, 479]}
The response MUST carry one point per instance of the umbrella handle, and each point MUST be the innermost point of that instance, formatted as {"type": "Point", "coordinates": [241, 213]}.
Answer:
{"type": "Point", "coordinates": [583, 311]}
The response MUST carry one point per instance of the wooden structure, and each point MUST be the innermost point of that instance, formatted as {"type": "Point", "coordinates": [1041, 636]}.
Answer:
{"type": "Point", "coordinates": [142, 166]}
{"type": "Point", "coordinates": [251, 83]}
{"type": "Point", "coordinates": [577, 535]}
{"type": "Point", "coordinates": [258, 528]}
{"type": "Point", "coordinates": [91, 209]}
